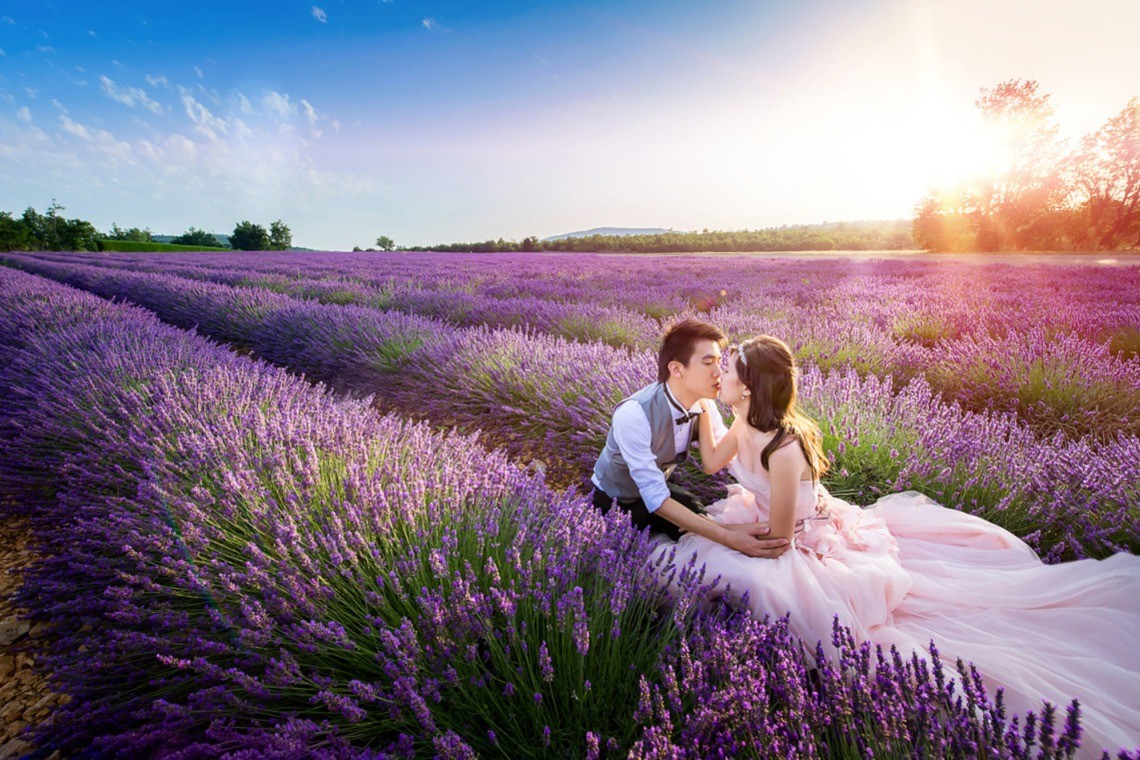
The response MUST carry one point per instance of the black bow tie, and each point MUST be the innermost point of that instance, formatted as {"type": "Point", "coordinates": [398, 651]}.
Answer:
{"type": "Point", "coordinates": [687, 416]}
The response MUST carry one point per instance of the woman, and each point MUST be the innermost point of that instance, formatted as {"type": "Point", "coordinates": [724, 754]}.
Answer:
{"type": "Point", "coordinates": [907, 571]}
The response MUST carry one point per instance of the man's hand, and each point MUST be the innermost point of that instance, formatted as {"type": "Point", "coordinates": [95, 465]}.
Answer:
{"type": "Point", "coordinates": [746, 538]}
{"type": "Point", "coordinates": [750, 539]}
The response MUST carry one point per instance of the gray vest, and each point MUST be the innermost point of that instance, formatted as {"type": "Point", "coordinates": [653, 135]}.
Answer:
{"type": "Point", "coordinates": [612, 473]}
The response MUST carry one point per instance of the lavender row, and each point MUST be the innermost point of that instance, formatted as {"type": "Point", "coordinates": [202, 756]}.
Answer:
{"type": "Point", "coordinates": [452, 302]}
{"type": "Point", "coordinates": [547, 399]}
{"type": "Point", "coordinates": [266, 568]}
{"type": "Point", "coordinates": [240, 565]}
{"type": "Point", "coordinates": [942, 300]}
{"type": "Point", "coordinates": [992, 338]}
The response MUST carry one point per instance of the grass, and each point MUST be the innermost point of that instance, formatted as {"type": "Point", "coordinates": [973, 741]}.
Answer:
{"type": "Point", "coordinates": [131, 246]}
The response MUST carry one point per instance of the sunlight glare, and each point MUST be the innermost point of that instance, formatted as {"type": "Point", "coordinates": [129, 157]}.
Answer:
{"type": "Point", "coordinates": [961, 145]}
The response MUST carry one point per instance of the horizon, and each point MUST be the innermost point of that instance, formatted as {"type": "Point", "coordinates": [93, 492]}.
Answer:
{"type": "Point", "coordinates": [440, 122]}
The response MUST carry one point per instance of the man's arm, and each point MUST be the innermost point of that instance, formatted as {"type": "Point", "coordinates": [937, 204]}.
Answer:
{"type": "Point", "coordinates": [632, 434]}
{"type": "Point", "coordinates": [634, 440]}
{"type": "Point", "coordinates": [747, 538]}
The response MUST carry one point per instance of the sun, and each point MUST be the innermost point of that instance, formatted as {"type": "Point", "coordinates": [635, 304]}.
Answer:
{"type": "Point", "coordinates": [961, 146]}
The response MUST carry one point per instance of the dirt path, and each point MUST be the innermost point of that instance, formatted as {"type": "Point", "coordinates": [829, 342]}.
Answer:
{"type": "Point", "coordinates": [25, 698]}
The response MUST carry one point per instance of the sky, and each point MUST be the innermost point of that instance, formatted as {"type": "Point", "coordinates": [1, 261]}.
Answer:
{"type": "Point", "coordinates": [433, 122]}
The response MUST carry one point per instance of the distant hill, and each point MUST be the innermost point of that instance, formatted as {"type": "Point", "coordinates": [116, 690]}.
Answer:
{"type": "Point", "coordinates": [866, 235]}
{"type": "Point", "coordinates": [614, 231]}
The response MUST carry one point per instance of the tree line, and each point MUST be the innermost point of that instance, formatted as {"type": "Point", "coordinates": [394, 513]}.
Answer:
{"type": "Point", "coordinates": [833, 236]}
{"type": "Point", "coordinates": [1040, 195]}
{"type": "Point", "coordinates": [52, 231]}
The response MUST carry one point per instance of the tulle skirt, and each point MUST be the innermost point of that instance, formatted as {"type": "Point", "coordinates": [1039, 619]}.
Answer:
{"type": "Point", "coordinates": [906, 571]}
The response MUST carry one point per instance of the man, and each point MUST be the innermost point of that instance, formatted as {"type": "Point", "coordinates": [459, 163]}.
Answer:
{"type": "Point", "coordinates": [652, 432]}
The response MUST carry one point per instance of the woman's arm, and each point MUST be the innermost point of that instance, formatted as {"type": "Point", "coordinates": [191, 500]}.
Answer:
{"type": "Point", "coordinates": [785, 468]}
{"type": "Point", "coordinates": [715, 455]}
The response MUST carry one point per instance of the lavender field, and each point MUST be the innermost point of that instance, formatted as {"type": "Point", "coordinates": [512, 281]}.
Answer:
{"type": "Point", "coordinates": [398, 560]}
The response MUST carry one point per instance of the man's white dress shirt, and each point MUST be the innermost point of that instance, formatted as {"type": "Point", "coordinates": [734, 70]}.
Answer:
{"type": "Point", "coordinates": [633, 436]}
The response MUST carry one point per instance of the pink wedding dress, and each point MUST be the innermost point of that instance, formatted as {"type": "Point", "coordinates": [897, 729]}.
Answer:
{"type": "Point", "coordinates": [906, 571]}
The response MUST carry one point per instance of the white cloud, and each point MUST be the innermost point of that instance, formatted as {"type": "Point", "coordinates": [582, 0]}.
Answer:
{"type": "Point", "coordinates": [205, 122]}
{"type": "Point", "coordinates": [155, 80]}
{"type": "Point", "coordinates": [129, 96]}
{"type": "Point", "coordinates": [320, 15]}
{"type": "Point", "coordinates": [91, 33]}
{"type": "Point", "coordinates": [430, 24]}
{"type": "Point", "coordinates": [45, 48]}
{"type": "Point", "coordinates": [60, 106]}
{"type": "Point", "coordinates": [312, 117]}
{"type": "Point", "coordinates": [277, 104]}
{"type": "Point", "coordinates": [31, 92]}
{"type": "Point", "coordinates": [103, 143]}
{"type": "Point", "coordinates": [2, 53]}
{"type": "Point", "coordinates": [198, 71]}
{"type": "Point", "coordinates": [7, 20]}
{"type": "Point", "coordinates": [77, 129]}
{"type": "Point", "coordinates": [244, 105]}
{"type": "Point", "coordinates": [24, 114]}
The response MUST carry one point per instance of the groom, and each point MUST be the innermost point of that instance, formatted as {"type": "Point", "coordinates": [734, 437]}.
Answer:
{"type": "Point", "coordinates": [651, 434]}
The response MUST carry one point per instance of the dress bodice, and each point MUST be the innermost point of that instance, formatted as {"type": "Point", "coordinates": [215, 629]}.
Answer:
{"type": "Point", "coordinates": [759, 485]}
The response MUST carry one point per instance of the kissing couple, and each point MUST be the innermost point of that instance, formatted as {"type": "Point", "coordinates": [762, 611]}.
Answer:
{"type": "Point", "coordinates": [902, 572]}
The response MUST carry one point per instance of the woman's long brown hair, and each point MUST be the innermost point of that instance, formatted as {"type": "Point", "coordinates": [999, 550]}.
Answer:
{"type": "Point", "coordinates": [766, 366]}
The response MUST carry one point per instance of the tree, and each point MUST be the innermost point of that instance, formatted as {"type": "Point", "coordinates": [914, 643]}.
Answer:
{"type": "Point", "coordinates": [280, 237]}
{"type": "Point", "coordinates": [195, 236]}
{"type": "Point", "coordinates": [531, 244]}
{"type": "Point", "coordinates": [1012, 200]}
{"type": "Point", "coordinates": [248, 236]}
{"type": "Point", "coordinates": [13, 235]}
{"type": "Point", "coordinates": [133, 234]}
{"type": "Point", "coordinates": [943, 222]}
{"type": "Point", "coordinates": [77, 235]}
{"type": "Point", "coordinates": [385, 243]}
{"type": "Point", "coordinates": [35, 229]}
{"type": "Point", "coordinates": [52, 221]}
{"type": "Point", "coordinates": [1106, 172]}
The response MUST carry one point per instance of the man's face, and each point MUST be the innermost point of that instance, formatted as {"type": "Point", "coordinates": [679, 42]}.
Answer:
{"type": "Point", "coordinates": [701, 376]}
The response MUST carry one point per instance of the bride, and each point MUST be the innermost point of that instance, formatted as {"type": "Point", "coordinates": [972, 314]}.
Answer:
{"type": "Point", "coordinates": [906, 571]}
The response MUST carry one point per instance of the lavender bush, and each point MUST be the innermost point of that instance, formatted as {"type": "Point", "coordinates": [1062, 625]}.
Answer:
{"type": "Point", "coordinates": [531, 394]}
{"type": "Point", "coordinates": [899, 318]}
{"type": "Point", "coordinates": [239, 564]}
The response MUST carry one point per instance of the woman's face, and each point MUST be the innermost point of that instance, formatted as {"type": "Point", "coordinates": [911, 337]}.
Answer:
{"type": "Point", "coordinates": [731, 386]}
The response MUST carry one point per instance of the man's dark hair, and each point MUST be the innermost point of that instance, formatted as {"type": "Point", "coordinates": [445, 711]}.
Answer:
{"type": "Point", "coordinates": [681, 340]}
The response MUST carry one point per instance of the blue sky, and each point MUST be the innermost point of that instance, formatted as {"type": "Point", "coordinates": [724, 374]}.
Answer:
{"type": "Point", "coordinates": [435, 122]}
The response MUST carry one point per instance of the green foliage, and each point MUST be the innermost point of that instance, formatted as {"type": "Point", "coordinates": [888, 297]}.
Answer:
{"type": "Point", "coordinates": [925, 329]}
{"type": "Point", "coordinates": [1036, 198]}
{"type": "Point", "coordinates": [197, 238]}
{"type": "Point", "coordinates": [49, 231]}
{"type": "Point", "coordinates": [834, 236]}
{"type": "Point", "coordinates": [13, 233]}
{"type": "Point", "coordinates": [1125, 341]}
{"type": "Point", "coordinates": [863, 450]}
{"type": "Point", "coordinates": [385, 243]}
{"type": "Point", "coordinates": [133, 234]}
{"type": "Point", "coordinates": [586, 329]}
{"type": "Point", "coordinates": [130, 246]}
{"type": "Point", "coordinates": [280, 236]}
{"type": "Point", "coordinates": [248, 236]}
